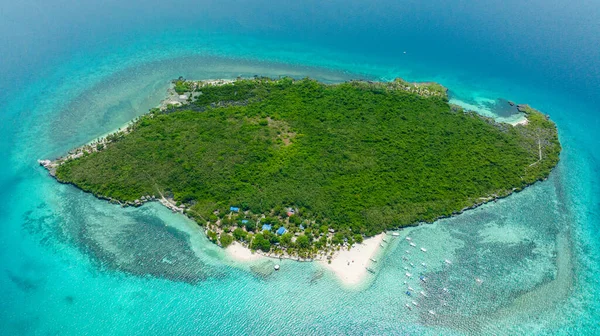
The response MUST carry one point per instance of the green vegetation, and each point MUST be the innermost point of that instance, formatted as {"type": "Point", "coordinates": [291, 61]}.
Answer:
{"type": "Point", "coordinates": [357, 158]}
{"type": "Point", "coordinates": [182, 86]}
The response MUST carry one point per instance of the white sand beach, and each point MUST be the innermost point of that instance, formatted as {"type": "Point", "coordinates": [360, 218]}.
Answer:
{"type": "Point", "coordinates": [523, 121]}
{"type": "Point", "coordinates": [240, 253]}
{"type": "Point", "coordinates": [351, 266]}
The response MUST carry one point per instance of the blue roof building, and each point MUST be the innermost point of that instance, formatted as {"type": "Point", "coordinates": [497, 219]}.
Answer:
{"type": "Point", "coordinates": [301, 227]}
{"type": "Point", "coordinates": [234, 209]}
{"type": "Point", "coordinates": [281, 231]}
{"type": "Point", "coordinates": [266, 227]}
{"type": "Point", "coordinates": [244, 221]}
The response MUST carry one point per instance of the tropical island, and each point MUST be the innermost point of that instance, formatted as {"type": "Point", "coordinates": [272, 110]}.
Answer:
{"type": "Point", "coordinates": [298, 168]}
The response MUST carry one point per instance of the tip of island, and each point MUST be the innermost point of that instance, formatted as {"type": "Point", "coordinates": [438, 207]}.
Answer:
{"type": "Point", "coordinates": [299, 169]}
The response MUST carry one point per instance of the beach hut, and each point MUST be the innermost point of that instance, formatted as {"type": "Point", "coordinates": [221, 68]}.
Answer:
{"type": "Point", "coordinates": [281, 231]}
{"type": "Point", "coordinates": [234, 209]}
{"type": "Point", "coordinates": [266, 227]}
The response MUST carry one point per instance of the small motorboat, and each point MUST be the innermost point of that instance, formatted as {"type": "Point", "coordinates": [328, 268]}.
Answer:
{"type": "Point", "coordinates": [408, 293]}
{"type": "Point", "coordinates": [408, 274]}
{"type": "Point", "coordinates": [424, 264]}
{"type": "Point", "coordinates": [445, 289]}
{"type": "Point", "coordinates": [424, 279]}
{"type": "Point", "coordinates": [395, 234]}
{"type": "Point", "coordinates": [423, 293]}
{"type": "Point", "coordinates": [413, 244]}
{"type": "Point", "coordinates": [408, 238]}
{"type": "Point", "coordinates": [448, 261]}
{"type": "Point", "coordinates": [423, 249]}
{"type": "Point", "coordinates": [408, 306]}
{"type": "Point", "coordinates": [410, 289]}
{"type": "Point", "coordinates": [431, 312]}
{"type": "Point", "coordinates": [414, 303]}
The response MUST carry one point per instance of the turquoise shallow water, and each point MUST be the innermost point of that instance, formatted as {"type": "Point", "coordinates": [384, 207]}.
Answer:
{"type": "Point", "coordinates": [73, 265]}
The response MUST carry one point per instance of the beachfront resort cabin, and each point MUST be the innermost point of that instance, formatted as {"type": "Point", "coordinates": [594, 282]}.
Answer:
{"type": "Point", "coordinates": [266, 227]}
{"type": "Point", "coordinates": [281, 231]}
{"type": "Point", "coordinates": [234, 209]}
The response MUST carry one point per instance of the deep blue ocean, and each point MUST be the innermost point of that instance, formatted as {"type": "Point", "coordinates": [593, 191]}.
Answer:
{"type": "Point", "coordinates": [71, 71]}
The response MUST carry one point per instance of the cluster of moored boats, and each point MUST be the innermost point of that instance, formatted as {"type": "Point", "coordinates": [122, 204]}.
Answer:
{"type": "Point", "coordinates": [410, 291]}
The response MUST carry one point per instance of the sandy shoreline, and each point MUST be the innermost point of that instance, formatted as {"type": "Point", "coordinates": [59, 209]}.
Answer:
{"type": "Point", "coordinates": [238, 252]}
{"type": "Point", "coordinates": [351, 266]}
{"type": "Point", "coordinates": [524, 121]}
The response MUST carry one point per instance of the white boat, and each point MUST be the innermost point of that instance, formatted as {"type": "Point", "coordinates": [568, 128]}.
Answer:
{"type": "Point", "coordinates": [424, 264]}
{"type": "Point", "coordinates": [423, 293]}
{"type": "Point", "coordinates": [431, 312]}
{"type": "Point", "coordinates": [408, 238]}
{"type": "Point", "coordinates": [412, 265]}
{"type": "Point", "coordinates": [408, 306]}
{"type": "Point", "coordinates": [408, 274]}
{"type": "Point", "coordinates": [395, 234]}
{"type": "Point", "coordinates": [414, 303]}
{"type": "Point", "coordinates": [424, 250]}
{"type": "Point", "coordinates": [478, 280]}
{"type": "Point", "coordinates": [413, 244]}
{"type": "Point", "coordinates": [410, 289]}
{"type": "Point", "coordinates": [445, 289]}
{"type": "Point", "coordinates": [448, 261]}
{"type": "Point", "coordinates": [405, 268]}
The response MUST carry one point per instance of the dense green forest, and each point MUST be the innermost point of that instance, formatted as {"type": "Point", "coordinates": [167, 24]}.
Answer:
{"type": "Point", "coordinates": [357, 157]}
